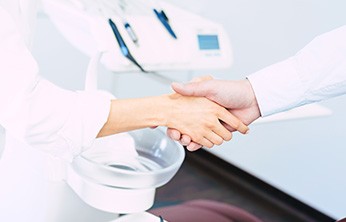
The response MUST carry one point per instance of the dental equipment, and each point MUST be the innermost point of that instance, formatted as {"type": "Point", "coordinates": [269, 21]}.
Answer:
{"type": "Point", "coordinates": [88, 29]}
{"type": "Point", "coordinates": [162, 17]}
{"type": "Point", "coordinates": [118, 10]}
{"type": "Point", "coordinates": [122, 45]}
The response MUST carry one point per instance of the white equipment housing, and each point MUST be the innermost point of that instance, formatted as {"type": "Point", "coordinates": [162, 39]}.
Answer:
{"type": "Point", "coordinates": [200, 43]}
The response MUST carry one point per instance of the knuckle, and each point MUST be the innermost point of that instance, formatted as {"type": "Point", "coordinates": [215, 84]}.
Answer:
{"type": "Point", "coordinates": [197, 138]}
{"type": "Point", "coordinates": [216, 110]}
{"type": "Point", "coordinates": [237, 124]}
{"type": "Point", "coordinates": [210, 124]}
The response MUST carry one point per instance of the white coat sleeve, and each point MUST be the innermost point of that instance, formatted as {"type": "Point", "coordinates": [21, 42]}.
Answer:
{"type": "Point", "coordinates": [59, 121]}
{"type": "Point", "coordinates": [315, 73]}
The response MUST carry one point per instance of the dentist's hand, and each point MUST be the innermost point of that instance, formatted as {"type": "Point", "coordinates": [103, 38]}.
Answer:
{"type": "Point", "coordinates": [237, 96]}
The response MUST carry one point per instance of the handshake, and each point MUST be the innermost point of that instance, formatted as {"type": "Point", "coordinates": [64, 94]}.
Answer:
{"type": "Point", "coordinates": [233, 102]}
{"type": "Point", "coordinates": [204, 112]}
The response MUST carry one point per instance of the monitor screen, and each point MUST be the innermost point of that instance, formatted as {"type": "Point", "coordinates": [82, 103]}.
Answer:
{"type": "Point", "coordinates": [208, 42]}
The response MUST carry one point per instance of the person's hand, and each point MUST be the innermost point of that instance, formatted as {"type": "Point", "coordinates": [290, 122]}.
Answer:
{"type": "Point", "coordinates": [237, 96]}
{"type": "Point", "coordinates": [199, 118]}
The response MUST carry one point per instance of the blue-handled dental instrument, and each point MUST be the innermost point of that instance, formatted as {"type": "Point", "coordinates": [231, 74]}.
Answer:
{"type": "Point", "coordinates": [115, 8]}
{"type": "Point", "coordinates": [126, 24]}
{"type": "Point", "coordinates": [122, 45]}
{"type": "Point", "coordinates": [131, 33]}
{"type": "Point", "coordinates": [161, 15]}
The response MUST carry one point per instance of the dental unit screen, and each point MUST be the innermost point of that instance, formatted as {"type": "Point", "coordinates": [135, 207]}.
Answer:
{"type": "Point", "coordinates": [208, 42]}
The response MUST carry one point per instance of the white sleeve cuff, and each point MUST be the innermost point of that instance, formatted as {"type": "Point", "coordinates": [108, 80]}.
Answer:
{"type": "Point", "coordinates": [317, 72]}
{"type": "Point", "coordinates": [60, 122]}
{"type": "Point", "coordinates": [86, 120]}
{"type": "Point", "coordinates": [277, 91]}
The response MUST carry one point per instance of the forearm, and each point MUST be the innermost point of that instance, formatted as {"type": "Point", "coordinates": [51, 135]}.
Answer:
{"type": "Point", "coordinates": [196, 117]}
{"type": "Point", "coordinates": [131, 114]}
{"type": "Point", "coordinates": [49, 118]}
{"type": "Point", "coordinates": [315, 73]}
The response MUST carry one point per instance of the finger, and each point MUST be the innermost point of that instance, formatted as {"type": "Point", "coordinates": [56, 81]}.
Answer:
{"type": "Point", "coordinates": [201, 78]}
{"type": "Point", "coordinates": [201, 89]}
{"type": "Point", "coordinates": [185, 140]}
{"type": "Point", "coordinates": [228, 127]}
{"type": "Point", "coordinates": [233, 121]}
{"type": "Point", "coordinates": [193, 146]}
{"type": "Point", "coordinates": [214, 138]}
{"type": "Point", "coordinates": [206, 143]}
{"type": "Point", "coordinates": [174, 134]}
{"type": "Point", "coordinates": [223, 132]}
{"type": "Point", "coordinates": [231, 129]}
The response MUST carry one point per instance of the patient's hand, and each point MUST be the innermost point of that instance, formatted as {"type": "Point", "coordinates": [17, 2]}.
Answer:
{"type": "Point", "coordinates": [199, 119]}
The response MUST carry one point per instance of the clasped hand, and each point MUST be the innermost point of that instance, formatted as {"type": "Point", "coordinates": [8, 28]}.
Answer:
{"type": "Point", "coordinates": [235, 100]}
{"type": "Point", "coordinates": [202, 120]}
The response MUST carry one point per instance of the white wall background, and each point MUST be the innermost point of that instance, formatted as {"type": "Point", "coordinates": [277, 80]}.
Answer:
{"type": "Point", "coordinates": [305, 158]}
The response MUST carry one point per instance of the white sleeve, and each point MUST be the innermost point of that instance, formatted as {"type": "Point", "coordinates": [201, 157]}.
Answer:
{"type": "Point", "coordinates": [59, 121]}
{"type": "Point", "coordinates": [315, 73]}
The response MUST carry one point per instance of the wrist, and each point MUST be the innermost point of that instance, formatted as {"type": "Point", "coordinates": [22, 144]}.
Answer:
{"type": "Point", "coordinates": [163, 109]}
{"type": "Point", "coordinates": [253, 103]}
{"type": "Point", "coordinates": [171, 106]}
{"type": "Point", "coordinates": [130, 114]}
{"type": "Point", "coordinates": [156, 110]}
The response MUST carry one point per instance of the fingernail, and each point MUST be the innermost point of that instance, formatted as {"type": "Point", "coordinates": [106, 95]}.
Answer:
{"type": "Point", "coordinates": [247, 132]}
{"type": "Point", "coordinates": [191, 149]}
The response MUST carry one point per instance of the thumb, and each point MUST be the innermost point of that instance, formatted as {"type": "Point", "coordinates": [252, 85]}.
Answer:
{"type": "Point", "coordinates": [201, 78]}
{"type": "Point", "coordinates": [192, 89]}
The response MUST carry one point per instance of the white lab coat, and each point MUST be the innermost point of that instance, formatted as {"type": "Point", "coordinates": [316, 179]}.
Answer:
{"type": "Point", "coordinates": [317, 72]}
{"type": "Point", "coordinates": [37, 112]}
{"type": "Point", "coordinates": [59, 121]}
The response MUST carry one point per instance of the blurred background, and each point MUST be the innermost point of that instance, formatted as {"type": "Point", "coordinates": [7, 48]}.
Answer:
{"type": "Point", "coordinates": [303, 157]}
